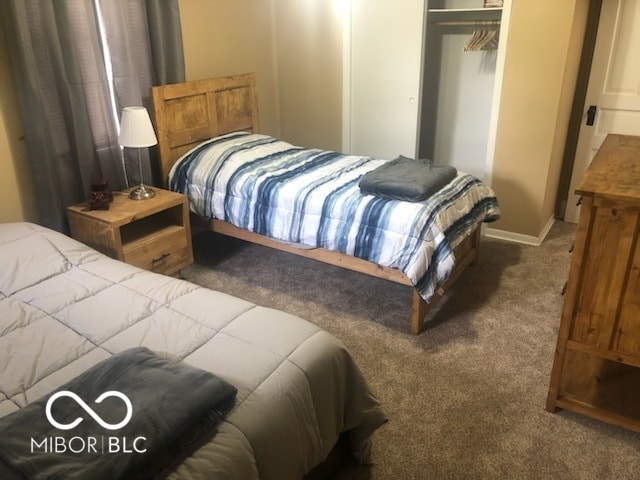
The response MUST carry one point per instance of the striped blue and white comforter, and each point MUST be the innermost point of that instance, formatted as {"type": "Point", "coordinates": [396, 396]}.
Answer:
{"type": "Point", "coordinates": [311, 196]}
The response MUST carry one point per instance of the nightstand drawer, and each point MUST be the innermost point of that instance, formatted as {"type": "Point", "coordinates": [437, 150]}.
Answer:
{"type": "Point", "coordinates": [168, 252]}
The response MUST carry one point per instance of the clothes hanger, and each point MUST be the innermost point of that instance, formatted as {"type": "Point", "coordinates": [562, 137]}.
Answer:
{"type": "Point", "coordinates": [482, 39]}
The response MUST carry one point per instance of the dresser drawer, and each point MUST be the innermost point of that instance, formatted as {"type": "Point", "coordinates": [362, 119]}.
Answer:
{"type": "Point", "coordinates": [165, 253]}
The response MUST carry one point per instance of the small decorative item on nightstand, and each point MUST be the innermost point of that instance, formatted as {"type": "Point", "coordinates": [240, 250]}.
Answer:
{"type": "Point", "coordinates": [100, 196]}
{"type": "Point", "coordinates": [136, 131]}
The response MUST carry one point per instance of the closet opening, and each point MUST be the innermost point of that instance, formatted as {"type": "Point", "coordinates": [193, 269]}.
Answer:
{"type": "Point", "coordinates": [459, 70]}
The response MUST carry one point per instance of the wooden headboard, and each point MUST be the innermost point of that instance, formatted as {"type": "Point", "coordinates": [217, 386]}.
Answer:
{"type": "Point", "coordinates": [186, 114]}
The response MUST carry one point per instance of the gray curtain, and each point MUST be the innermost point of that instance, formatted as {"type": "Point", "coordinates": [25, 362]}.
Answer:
{"type": "Point", "coordinates": [71, 98]}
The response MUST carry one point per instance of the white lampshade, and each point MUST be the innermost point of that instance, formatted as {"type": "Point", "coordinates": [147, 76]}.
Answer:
{"type": "Point", "coordinates": [136, 130]}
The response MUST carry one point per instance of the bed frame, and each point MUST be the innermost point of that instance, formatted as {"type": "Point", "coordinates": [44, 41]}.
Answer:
{"type": "Point", "coordinates": [188, 113]}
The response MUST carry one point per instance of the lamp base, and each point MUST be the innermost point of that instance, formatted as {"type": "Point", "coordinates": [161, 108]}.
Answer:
{"type": "Point", "coordinates": [142, 192]}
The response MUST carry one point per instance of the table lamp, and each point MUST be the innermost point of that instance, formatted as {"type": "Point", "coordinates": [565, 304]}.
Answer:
{"type": "Point", "coordinates": [136, 131]}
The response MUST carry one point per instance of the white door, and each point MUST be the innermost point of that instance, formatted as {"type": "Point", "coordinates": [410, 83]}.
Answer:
{"type": "Point", "coordinates": [613, 90]}
{"type": "Point", "coordinates": [383, 55]}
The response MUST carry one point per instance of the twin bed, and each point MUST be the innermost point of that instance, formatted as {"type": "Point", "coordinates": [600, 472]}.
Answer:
{"type": "Point", "coordinates": [308, 201]}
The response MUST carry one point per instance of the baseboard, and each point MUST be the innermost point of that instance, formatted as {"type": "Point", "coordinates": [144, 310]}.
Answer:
{"type": "Point", "coordinates": [518, 237]}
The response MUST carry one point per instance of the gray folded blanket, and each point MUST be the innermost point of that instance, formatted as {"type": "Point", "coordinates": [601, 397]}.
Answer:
{"type": "Point", "coordinates": [408, 179]}
{"type": "Point", "coordinates": [173, 410]}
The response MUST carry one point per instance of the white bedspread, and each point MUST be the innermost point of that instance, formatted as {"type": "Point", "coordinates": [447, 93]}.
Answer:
{"type": "Point", "coordinates": [64, 307]}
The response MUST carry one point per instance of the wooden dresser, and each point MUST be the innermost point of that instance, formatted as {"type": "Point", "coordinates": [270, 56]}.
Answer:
{"type": "Point", "coordinates": [596, 369]}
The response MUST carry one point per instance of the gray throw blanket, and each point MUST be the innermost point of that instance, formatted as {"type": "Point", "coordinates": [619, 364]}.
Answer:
{"type": "Point", "coordinates": [408, 179]}
{"type": "Point", "coordinates": [74, 434]}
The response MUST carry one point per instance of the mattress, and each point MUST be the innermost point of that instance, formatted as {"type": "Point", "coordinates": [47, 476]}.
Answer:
{"type": "Point", "coordinates": [311, 197]}
{"type": "Point", "coordinates": [65, 307]}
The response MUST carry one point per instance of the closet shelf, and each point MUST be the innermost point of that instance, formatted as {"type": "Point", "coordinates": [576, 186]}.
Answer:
{"type": "Point", "coordinates": [436, 15]}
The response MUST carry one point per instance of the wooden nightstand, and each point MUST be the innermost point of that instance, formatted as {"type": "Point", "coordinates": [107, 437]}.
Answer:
{"type": "Point", "coordinates": [153, 234]}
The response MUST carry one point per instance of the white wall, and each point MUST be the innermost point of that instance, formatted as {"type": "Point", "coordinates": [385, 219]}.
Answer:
{"type": "Point", "coordinates": [464, 105]}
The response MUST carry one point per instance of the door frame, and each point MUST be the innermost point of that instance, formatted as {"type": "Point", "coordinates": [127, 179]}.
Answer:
{"type": "Point", "coordinates": [578, 108]}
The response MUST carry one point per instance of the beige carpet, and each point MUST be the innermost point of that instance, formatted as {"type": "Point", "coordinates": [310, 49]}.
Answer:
{"type": "Point", "coordinates": [465, 398]}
